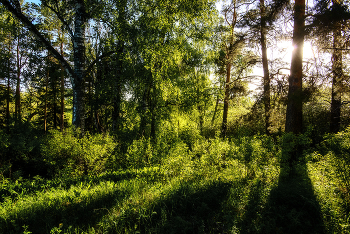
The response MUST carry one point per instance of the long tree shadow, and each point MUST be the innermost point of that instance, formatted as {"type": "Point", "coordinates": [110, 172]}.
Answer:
{"type": "Point", "coordinates": [34, 185]}
{"type": "Point", "coordinates": [292, 206]}
{"type": "Point", "coordinates": [190, 208]}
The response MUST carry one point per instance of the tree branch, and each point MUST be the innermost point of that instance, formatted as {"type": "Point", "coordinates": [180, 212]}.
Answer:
{"type": "Point", "coordinates": [59, 16]}
{"type": "Point", "coordinates": [95, 61]}
{"type": "Point", "coordinates": [24, 19]}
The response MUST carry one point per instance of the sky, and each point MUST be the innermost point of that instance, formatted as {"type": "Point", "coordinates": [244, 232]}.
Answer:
{"type": "Point", "coordinates": [34, 1]}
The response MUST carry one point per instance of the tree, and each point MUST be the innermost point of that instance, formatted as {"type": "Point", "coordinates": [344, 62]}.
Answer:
{"type": "Point", "coordinates": [265, 64]}
{"type": "Point", "coordinates": [329, 21]}
{"type": "Point", "coordinates": [295, 95]}
{"type": "Point", "coordinates": [80, 70]}
{"type": "Point", "coordinates": [232, 45]}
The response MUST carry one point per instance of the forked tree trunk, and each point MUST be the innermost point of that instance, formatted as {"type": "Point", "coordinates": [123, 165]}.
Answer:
{"type": "Point", "coordinates": [295, 99]}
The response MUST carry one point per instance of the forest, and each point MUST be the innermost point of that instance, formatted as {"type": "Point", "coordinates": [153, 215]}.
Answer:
{"type": "Point", "coordinates": [160, 116]}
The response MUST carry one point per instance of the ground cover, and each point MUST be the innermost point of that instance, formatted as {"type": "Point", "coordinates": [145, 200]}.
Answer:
{"type": "Point", "coordinates": [233, 186]}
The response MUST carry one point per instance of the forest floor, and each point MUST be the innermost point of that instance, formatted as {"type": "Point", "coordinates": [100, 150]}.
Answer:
{"type": "Point", "coordinates": [182, 196]}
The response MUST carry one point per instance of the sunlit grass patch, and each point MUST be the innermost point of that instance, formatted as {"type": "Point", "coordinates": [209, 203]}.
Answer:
{"type": "Point", "coordinates": [78, 205]}
{"type": "Point", "coordinates": [329, 191]}
{"type": "Point", "coordinates": [219, 186]}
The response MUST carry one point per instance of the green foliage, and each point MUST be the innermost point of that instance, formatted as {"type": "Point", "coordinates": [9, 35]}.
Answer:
{"type": "Point", "coordinates": [293, 146]}
{"type": "Point", "coordinates": [140, 154]}
{"type": "Point", "coordinates": [189, 134]}
{"type": "Point", "coordinates": [65, 153]}
{"type": "Point", "coordinates": [220, 186]}
{"type": "Point", "coordinates": [337, 150]}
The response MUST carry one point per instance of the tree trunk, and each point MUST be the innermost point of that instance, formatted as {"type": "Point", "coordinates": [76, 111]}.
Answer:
{"type": "Point", "coordinates": [143, 111]}
{"type": "Point", "coordinates": [226, 100]}
{"type": "Point", "coordinates": [46, 85]}
{"type": "Point", "coordinates": [265, 67]}
{"type": "Point", "coordinates": [79, 64]}
{"type": "Point", "coordinates": [215, 110]}
{"type": "Point", "coordinates": [337, 72]}
{"type": "Point", "coordinates": [117, 89]}
{"type": "Point", "coordinates": [54, 112]}
{"type": "Point", "coordinates": [8, 97]}
{"type": "Point", "coordinates": [62, 94]}
{"type": "Point", "coordinates": [18, 88]}
{"type": "Point", "coordinates": [201, 118]}
{"type": "Point", "coordinates": [295, 99]}
{"type": "Point", "coordinates": [99, 75]}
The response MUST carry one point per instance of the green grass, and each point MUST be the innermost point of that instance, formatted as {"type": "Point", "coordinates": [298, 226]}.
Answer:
{"type": "Point", "coordinates": [218, 187]}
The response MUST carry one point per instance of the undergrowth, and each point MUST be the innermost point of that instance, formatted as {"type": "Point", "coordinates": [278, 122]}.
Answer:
{"type": "Point", "coordinates": [239, 185]}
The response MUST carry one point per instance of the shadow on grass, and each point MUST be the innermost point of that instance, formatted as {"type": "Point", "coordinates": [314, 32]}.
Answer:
{"type": "Point", "coordinates": [190, 208]}
{"type": "Point", "coordinates": [292, 206]}
{"type": "Point", "coordinates": [32, 186]}
{"type": "Point", "coordinates": [77, 214]}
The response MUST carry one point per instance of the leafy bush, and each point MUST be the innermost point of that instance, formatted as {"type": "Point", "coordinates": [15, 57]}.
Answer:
{"type": "Point", "coordinates": [178, 162]}
{"type": "Point", "coordinates": [292, 147]}
{"type": "Point", "coordinates": [140, 154]}
{"type": "Point", "coordinates": [189, 134]}
{"type": "Point", "coordinates": [214, 152]}
{"type": "Point", "coordinates": [255, 152]}
{"type": "Point", "coordinates": [338, 146]}
{"type": "Point", "coordinates": [64, 153]}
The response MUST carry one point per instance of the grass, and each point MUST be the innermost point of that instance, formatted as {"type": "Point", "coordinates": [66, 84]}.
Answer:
{"type": "Point", "coordinates": [218, 187]}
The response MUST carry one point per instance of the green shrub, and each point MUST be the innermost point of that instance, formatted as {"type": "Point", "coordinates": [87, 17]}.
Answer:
{"type": "Point", "coordinates": [217, 151]}
{"type": "Point", "coordinates": [189, 134]}
{"type": "Point", "coordinates": [293, 147]}
{"type": "Point", "coordinates": [178, 162]}
{"type": "Point", "coordinates": [64, 153]}
{"type": "Point", "coordinates": [255, 152]}
{"type": "Point", "coordinates": [140, 154]}
{"type": "Point", "coordinates": [20, 151]}
{"type": "Point", "coordinates": [339, 153]}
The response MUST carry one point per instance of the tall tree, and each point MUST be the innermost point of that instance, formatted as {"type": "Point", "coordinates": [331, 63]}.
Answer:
{"type": "Point", "coordinates": [329, 21]}
{"type": "Point", "coordinates": [337, 77]}
{"type": "Point", "coordinates": [337, 8]}
{"type": "Point", "coordinates": [295, 95]}
{"type": "Point", "coordinates": [265, 64]}
{"type": "Point", "coordinates": [80, 70]}
{"type": "Point", "coordinates": [230, 13]}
